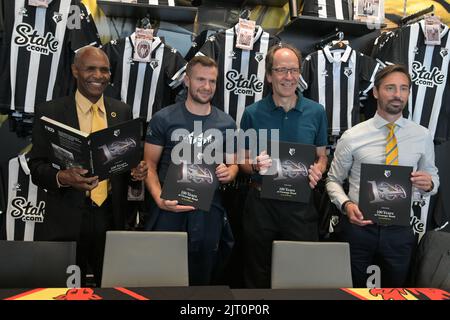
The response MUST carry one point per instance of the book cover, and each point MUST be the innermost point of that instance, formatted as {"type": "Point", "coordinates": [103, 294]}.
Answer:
{"type": "Point", "coordinates": [385, 194]}
{"type": "Point", "coordinates": [290, 179]}
{"type": "Point", "coordinates": [191, 184]}
{"type": "Point", "coordinates": [104, 153]}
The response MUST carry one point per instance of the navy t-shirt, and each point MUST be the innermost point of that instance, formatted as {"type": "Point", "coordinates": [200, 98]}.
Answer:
{"type": "Point", "coordinates": [166, 121]}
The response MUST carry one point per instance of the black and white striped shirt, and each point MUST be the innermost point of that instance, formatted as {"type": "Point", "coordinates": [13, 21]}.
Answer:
{"type": "Point", "coordinates": [25, 213]}
{"type": "Point", "coordinates": [158, 2]}
{"type": "Point", "coordinates": [38, 50]}
{"type": "Point", "coordinates": [338, 79]}
{"type": "Point", "coordinates": [337, 9]}
{"type": "Point", "coordinates": [147, 87]}
{"type": "Point", "coordinates": [428, 66]}
{"type": "Point", "coordinates": [241, 79]}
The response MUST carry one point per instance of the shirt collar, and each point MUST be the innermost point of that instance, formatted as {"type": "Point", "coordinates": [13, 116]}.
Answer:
{"type": "Point", "coordinates": [381, 122]}
{"type": "Point", "coordinates": [330, 57]}
{"type": "Point", "coordinates": [84, 104]}
{"type": "Point", "coordinates": [298, 106]}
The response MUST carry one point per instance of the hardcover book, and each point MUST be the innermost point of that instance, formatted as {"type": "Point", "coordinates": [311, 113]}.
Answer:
{"type": "Point", "coordinates": [104, 153]}
{"type": "Point", "coordinates": [287, 179]}
{"type": "Point", "coordinates": [385, 194]}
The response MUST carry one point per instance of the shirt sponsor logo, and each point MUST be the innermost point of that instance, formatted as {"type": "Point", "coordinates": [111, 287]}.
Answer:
{"type": "Point", "coordinates": [29, 38]}
{"type": "Point", "coordinates": [238, 84]}
{"type": "Point", "coordinates": [422, 77]}
{"type": "Point", "coordinates": [26, 211]}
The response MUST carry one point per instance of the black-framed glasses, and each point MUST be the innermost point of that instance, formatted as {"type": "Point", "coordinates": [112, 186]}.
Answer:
{"type": "Point", "coordinates": [285, 71]}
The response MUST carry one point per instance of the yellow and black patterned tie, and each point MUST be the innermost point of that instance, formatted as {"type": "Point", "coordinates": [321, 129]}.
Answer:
{"type": "Point", "coordinates": [99, 193]}
{"type": "Point", "coordinates": [391, 146]}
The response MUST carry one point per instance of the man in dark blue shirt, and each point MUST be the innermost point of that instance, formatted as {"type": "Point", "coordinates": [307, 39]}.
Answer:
{"type": "Point", "coordinates": [205, 229]}
{"type": "Point", "coordinates": [298, 120]}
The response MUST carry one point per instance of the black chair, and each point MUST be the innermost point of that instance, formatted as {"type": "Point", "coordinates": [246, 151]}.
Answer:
{"type": "Point", "coordinates": [35, 264]}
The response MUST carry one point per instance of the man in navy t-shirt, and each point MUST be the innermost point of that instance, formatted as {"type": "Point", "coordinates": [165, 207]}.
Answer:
{"type": "Point", "coordinates": [205, 229]}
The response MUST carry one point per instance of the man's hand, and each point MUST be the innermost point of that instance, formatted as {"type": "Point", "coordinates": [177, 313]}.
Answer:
{"type": "Point", "coordinates": [140, 172]}
{"type": "Point", "coordinates": [224, 173]}
{"type": "Point", "coordinates": [355, 216]}
{"type": "Point", "coordinates": [422, 180]}
{"type": "Point", "coordinates": [74, 177]}
{"type": "Point", "coordinates": [173, 206]}
{"type": "Point", "coordinates": [263, 162]}
{"type": "Point", "coordinates": [314, 175]}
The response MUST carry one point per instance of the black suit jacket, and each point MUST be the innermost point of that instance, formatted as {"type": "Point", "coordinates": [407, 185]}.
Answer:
{"type": "Point", "coordinates": [62, 212]}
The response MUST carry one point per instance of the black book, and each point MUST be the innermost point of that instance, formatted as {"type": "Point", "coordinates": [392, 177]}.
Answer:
{"type": "Point", "coordinates": [191, 184]}
{"type": "Point", "coordinates": [385, 194]}
{"type": "Point", "coordinates": [104, 153]}
{"type": "Point", "coordinates": [289, 180]}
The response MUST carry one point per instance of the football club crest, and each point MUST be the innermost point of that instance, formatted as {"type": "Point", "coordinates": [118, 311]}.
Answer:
{"type": "Point", "coordinates": [154, 64]}
{"type": "Point", "coordinates": [387, 173]}
{"type": "Point", "coordinates": [443, 52]}
{"type": "Point", "coordinates": [23, 12]}
{"type": "Point", "coordinates": [348, 71]}
{"type": "Point", "coordinates": [57, 17]}
{"type": "Point", "coordinates": [259, 56]}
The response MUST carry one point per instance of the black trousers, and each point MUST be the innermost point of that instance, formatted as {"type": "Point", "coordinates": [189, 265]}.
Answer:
{"type": "Point", "coordinates": [91, 244]}
{"type": "Point", "coordinates": [266, 220]}
{"type": "Point", "coordinates": [389, 247]}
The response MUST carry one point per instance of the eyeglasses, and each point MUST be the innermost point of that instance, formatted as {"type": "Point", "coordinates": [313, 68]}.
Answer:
{"type": "Point", "coordinates": [284, 71]}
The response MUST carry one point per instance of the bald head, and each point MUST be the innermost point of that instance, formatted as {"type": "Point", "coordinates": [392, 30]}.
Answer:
{"type": "Point", "coordinates": [91, 69]}
{"type": "Point", "coordinates": [90, 52]}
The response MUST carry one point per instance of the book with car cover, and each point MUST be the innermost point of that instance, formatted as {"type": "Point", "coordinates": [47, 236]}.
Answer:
{"type": "Point", "coordinates": [287, 179]}
{"type": "Point", "coordinates": [385, 194]}
{"type": "Point", "coordinates": [104, 153]}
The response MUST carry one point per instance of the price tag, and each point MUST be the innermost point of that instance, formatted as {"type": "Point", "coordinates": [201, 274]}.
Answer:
{"type": "Point", "coordinates": [246, 34]}
{"type": "Point", "coordinates": [143, 45]}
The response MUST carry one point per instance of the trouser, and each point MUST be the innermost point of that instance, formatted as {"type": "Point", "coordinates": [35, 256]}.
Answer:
{"type": "Point", "coordinates": [91, 244]}
{"type": "Point", "coordinates": [204, 234]}
{"type": "Point", "coordinates": [266, 220]}
{"type": "Point", "coordinates": [389, 247]}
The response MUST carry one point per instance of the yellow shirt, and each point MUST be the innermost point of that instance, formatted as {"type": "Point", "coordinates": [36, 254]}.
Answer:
{"type": "Point", "coordinates": [84, 111]}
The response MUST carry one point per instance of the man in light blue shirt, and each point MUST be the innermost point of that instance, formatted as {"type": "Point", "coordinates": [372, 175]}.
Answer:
{"type": "Point", "coordinates": [366, 143]}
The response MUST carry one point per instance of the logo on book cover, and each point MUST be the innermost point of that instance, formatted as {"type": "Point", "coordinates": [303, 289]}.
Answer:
{"type": "Point", "coordinates": [387, 173]}
{"type": "Point", "coordinates": [116, 133]}
{"type": "Point", "coordinates": [291, 151]}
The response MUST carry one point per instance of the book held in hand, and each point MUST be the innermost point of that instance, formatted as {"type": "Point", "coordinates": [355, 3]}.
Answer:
{"type": "Point", "coordinates": [103, 153]}
{"type": "Point", "coordinates": [191, 184]}
{"type": "Point", "coordinates": [385, 194]}
{"type": "Point", "coordinates": [287, 179]}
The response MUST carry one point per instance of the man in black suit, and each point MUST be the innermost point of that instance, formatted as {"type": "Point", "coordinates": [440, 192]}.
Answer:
{"type": "Point", "coordinates": [72, 212]}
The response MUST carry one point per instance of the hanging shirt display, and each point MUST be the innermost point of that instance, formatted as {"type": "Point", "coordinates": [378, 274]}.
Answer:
{"type": "Point", "coordinates": [25, 214]}
{"type": "Point", "coordinates": [338, 79]}
{"type": "Point", "coordinates": [38, 50]}
{"type": "Point", "coordinates": [147, 87]}
{"type": "Point", "coordinates": [429, 100]}
{"type": "Point", "coordinates": [337, 9]}
{"type": "Point", "coordinates": [241, 72]}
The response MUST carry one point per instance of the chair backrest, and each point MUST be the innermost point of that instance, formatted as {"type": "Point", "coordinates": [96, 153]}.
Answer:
{"type": "Point", "coordinates": [34, 264]}
{"type": "Point", "coordinates": [297, 264]}
{"type": "Point", "coordinates": [145, 259]}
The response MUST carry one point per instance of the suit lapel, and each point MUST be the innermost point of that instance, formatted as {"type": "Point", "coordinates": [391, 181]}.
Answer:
{"type": "Point", "coordinates": [71, 116]}
{"type": "Point", "coordinates": [112, 113]}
